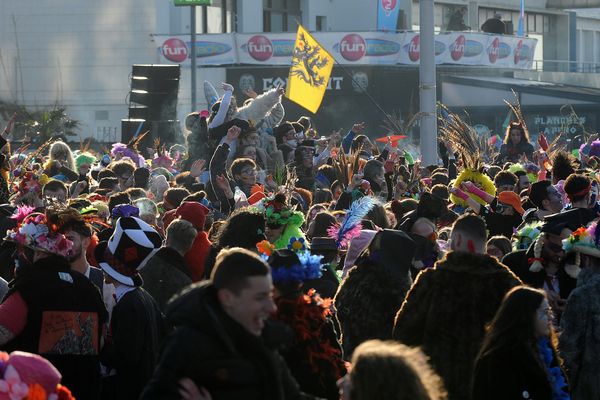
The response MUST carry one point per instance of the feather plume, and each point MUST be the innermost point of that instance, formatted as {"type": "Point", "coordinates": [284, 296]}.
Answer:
{"type": "Point", "coordinates": [351, 226]}
{"type": "Point", "coordinates": [33, 155]}
{"type": "Point", "coordinates": [473, 148]}
{"type": "Point", "coordinates": [516, 110]}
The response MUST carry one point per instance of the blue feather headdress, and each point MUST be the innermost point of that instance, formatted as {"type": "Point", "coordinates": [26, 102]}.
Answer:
{"type": "Point", "coordinates": [351, 226]}
{"type": "Point", "coordinates": [309, 268]}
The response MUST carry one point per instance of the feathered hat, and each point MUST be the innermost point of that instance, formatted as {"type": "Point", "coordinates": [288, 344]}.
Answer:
{"type": "Point", "coordinates": [473, 149]}
{"type": "Point", "coordinates": [582, 241]}
{"type": "Point", "coordinates": [35, 231]}
{"type": "Point", "coordinates": [351, 225]}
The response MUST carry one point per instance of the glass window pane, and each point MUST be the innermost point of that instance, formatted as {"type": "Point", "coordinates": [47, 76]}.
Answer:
{"type": "Point", "coordinates": [276, 22]}
{"type": "Point", "coordinates": [539, 23]}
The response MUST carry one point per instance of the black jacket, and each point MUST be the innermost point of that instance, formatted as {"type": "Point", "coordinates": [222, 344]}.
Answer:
{"type": "Point", "coordinates": [165, 274]}
{"type": "Point", "coordinates": [136, 330]}
{"type": "Point", "coordinates": [518, 262]}
{"type": "Point", "coordinates": [65, 318]}
{"type": "Point", "coordinates": [217, 353]}
{"type": "Point", "coordinates": [512, 374]}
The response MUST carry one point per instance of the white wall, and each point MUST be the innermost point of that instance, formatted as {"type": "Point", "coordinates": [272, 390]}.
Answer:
{"type": "Point", "coordinates": [77, 52]}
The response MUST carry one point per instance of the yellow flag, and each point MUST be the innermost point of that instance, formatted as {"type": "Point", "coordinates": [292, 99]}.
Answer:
{"type": "Point", "coordinates": [309, 72]}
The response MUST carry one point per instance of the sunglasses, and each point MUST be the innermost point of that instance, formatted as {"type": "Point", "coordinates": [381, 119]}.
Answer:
{"type": "Point", "coordinates": [274, 226]}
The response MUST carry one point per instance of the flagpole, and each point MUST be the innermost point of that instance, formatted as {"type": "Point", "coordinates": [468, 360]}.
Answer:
{"type": "Point", "coordinates": [364, 90]}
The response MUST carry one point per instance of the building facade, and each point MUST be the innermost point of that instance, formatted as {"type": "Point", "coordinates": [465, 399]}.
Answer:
{"type": "Point", "coordinates": [79, 53]}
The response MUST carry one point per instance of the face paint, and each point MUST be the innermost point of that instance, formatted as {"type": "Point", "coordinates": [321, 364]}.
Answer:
{"type": "Point", "coordinates": [470, 246]}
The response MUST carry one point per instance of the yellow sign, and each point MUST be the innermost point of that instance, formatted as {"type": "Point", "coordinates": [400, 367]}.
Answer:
{"type": "Point", "coordinates": [309, 73]}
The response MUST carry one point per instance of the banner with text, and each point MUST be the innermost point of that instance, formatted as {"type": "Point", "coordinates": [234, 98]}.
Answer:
{"type": "Point", "coordinates": [354, 48]}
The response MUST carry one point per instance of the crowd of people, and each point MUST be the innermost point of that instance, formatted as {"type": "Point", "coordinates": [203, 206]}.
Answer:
{"type": "Point", "coordinates": [260, 260]}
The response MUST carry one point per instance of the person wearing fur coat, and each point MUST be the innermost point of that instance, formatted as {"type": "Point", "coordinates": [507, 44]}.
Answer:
{"type": "Point", "coordinates": [449, 305]}
{"type": "Point", "coordinates": [374, 289]}
{"type": "Point", "coordinates": [579, 342]}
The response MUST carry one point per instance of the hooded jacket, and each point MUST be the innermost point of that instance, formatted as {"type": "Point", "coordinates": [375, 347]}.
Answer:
{"type": "Point", "coordinates": [217, 353]}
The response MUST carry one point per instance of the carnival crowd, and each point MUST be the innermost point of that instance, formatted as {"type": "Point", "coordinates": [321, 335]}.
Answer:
{"type": "Point", "coordinates": [263, 261]}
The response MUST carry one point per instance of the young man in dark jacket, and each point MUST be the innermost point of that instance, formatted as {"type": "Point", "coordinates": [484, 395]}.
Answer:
{"type": "Point", "coordinates": [219, 341]}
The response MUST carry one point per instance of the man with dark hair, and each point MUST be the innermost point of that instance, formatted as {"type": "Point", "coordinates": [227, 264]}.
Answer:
{"type": "Point", "coordinates": [523, 181]}
{"type": "Point", "coordinates": [118, 199]}
{"type": "Point", "coordinates": [217, 343]}
{"type": "Point", "coordinates": [243, 171]}
{"type": "Point", "coordinates": [166, 274]}
{"type": "Point", "coordinates": [505, 181]}
{"type": "Point", "coordinates": [55, 190]}
{"type": "Point", "coordinates": [546, 199]}
{"type": "Point", "coordinates": [124, 172]}
{"type": "Point", "coordinates": [448, 306]}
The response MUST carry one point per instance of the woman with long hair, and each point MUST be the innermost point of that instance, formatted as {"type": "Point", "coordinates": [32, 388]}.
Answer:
{"type": "Point", "coordinates": [516, 144]}
{"type": "Point", "coordinates": [518, 358]}
{"type": "Point", "coordinates": [244, 228]}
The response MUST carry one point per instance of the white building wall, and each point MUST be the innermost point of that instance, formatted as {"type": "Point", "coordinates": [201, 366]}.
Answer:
{"type": "Point", "coordinates": [77, 53]}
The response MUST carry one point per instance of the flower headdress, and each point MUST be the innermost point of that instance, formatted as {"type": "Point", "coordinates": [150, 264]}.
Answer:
{"type": "Point", "coordinates": [523, 238]}
{"type": "Point", "coordinates": [35, 231]}
{"type": "Point", "coordinates": [25, 376]}
{"type": "Point", "coordinates": [30, 182]}
{"type": "Point", "coordinates": [278, 212]}
{"type": "Point", "coordinates": [583, 240]}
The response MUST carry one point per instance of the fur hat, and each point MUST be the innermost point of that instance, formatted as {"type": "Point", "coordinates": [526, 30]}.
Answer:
{"type": "Point", "coordinates": [131, 245]}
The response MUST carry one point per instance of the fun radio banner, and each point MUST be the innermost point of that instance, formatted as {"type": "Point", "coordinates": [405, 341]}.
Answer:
{"type": "Point", "coordinates": [358, 48]}
{"type": "Point", "coordinates": [218, 49]}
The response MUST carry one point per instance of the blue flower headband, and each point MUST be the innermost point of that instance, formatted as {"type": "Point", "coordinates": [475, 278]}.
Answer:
{"type": "Point", "coordinates": [309, 268]}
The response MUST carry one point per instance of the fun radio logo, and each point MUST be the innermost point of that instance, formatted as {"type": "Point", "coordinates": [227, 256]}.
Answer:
{"type": "Point", "coordinates": [494, 50]}
{"type": "Point", "coordinates": [414, 48]}
{"type": "Point", "coordinates": [518, 51]}
{"type": "Point", "coordinates": [174, 50]}
{"type": "Point", "coordinates": [457, 49]}
{"type": "Point", "coordinates": [260, 48]}
{"type": "Point", "coordinates": [388, 6]}
{"type": "Point", "coordinates": [353, 47]}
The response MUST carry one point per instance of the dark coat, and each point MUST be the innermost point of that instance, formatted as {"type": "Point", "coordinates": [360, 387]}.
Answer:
{"type": "Point", "coordinates": [366, 303]}
{"type": "Point", "coordinates": [165, 275]}
{"type": "Point", "coordinates": [515, 374]}
{"type": "Point", "coordinates": [518, 262]}
{"type": "Point", "coordinates": [446, 311]}
{"type": "Point", "coordinates": [217, 353]}
{"type": "Point", "coordinates": [580, 339]}
{"type": "Point", "coordinates": [52, 292]}
{"type": "Point", "coordinates": [511, 153]}
{"type": "Point", "coordinates": [136, 330]}
{"type": "Point", "coordinates": [315, 356]}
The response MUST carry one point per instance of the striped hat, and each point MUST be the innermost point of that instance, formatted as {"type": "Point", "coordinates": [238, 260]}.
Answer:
{"type": "Point", "coordinates": [131, 245]}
